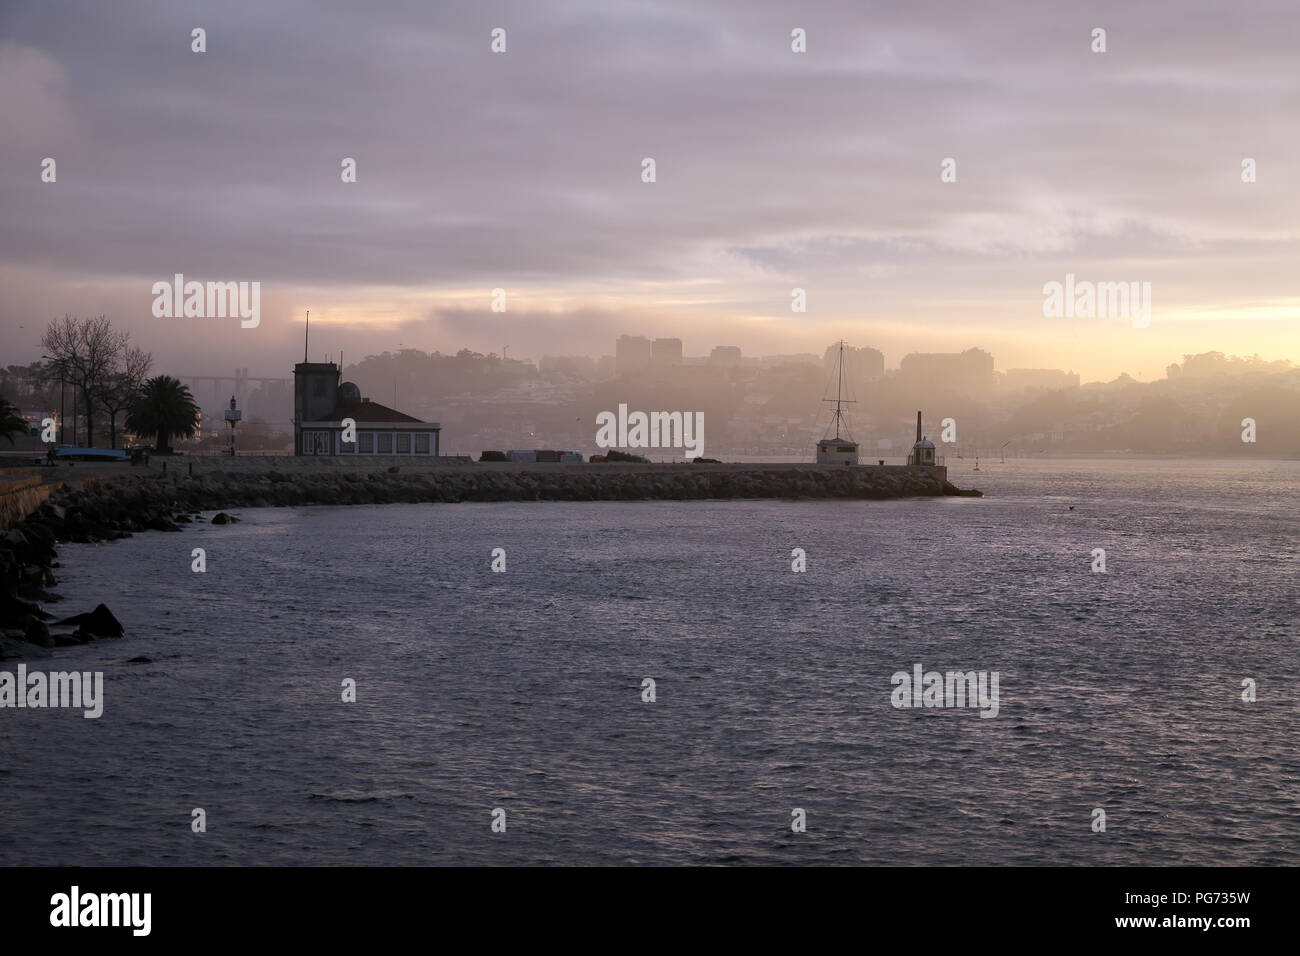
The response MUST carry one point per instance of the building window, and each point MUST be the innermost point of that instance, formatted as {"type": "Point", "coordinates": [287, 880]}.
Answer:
{"type": "Point", "coordinates": [422, 443]}
{"type": "Point", "coordinates": [366, 443]}
{"type": "Point", "coordinates": [403, 443]}
{"type": "Point", "coordinates": [385, 443]}
{"type": "Point", "coordinates": [317, 443]}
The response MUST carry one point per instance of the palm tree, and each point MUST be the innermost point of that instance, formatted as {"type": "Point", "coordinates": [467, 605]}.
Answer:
{"type": "Point", "coordinates": [10, 420]}
{"type": "Point", "coordinates": [166, 409]}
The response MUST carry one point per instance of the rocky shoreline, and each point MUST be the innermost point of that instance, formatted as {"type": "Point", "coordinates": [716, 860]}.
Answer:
{"type": "Point", "coordinates": [27, 565]}
{"type": "Point", "coordinates": [120, 505]}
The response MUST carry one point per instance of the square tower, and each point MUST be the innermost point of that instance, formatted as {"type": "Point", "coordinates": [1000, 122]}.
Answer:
{"type": "Point", "coordinates": [315, 394]}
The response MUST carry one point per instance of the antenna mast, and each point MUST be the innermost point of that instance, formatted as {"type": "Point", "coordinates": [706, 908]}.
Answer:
{"type": "Point", "coordinates": [305, 332]}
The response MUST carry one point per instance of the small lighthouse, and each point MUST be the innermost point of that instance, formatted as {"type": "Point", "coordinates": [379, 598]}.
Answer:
{"type": "Point", "coordinates": [923, 451]}
{"type": "Point", "coordinates": [233, 415]}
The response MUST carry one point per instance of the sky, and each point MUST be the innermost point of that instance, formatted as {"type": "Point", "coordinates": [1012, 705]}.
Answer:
{"type": "Point", "coordinates": [774, 170]}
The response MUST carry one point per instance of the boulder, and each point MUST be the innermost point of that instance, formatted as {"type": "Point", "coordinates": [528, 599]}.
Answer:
{"type": "Point", "coordinates": [99, 623]}
{"type": "Point", "coordinates": [14, 647]}
{"type": "Point", "coordinates": [38, 633]}
{"type": "Point", "coordinates": [15, 612]}
{"type": "Point", "coordinates": [41, 535]}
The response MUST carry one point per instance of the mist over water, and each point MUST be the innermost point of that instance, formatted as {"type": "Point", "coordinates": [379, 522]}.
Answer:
{"type": "Point", "coordinates": [522, 690]}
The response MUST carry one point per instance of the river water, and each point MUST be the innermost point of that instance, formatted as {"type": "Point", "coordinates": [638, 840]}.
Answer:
{"type": "Point", "coordinates": [523, 690]}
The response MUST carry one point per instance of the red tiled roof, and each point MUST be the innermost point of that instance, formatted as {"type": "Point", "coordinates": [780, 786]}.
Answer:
{"type": "Point", "coordinates": [368, 412]}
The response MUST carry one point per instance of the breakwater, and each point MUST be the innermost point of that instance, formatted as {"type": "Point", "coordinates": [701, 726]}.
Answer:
{"type": "Point", "coordinates": [21, 493]}
{"type": "Point", "coordinates": [137, 498]}
{"type": "Point", "coordinates": [121, 500]}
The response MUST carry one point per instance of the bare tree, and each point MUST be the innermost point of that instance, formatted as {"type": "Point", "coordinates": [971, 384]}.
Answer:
{"type": "Point", "coordinates": [86, 353]}
{"type": "Point", "coordinates": [122, 388]}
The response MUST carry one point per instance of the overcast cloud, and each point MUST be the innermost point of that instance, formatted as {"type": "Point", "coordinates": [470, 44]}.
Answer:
{"type": "Point", "coordinates": [774, 170]}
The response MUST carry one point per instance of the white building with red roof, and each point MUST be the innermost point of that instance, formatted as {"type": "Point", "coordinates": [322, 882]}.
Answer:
{"type": "Point", "coordinates": [327, 412]}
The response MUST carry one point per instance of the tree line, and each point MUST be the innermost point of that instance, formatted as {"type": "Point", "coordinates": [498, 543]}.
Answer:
{"type": "Point", "coordinates": [110, 381]}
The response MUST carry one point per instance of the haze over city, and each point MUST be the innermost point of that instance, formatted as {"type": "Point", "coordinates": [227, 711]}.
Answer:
{"type": "Point", "coordinates": [523, 171]}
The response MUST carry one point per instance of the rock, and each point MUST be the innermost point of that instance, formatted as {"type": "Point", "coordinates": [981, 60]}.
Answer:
{"type": "Point", "coordinates": [35, 575]}
{"type": "Point", "coordinates": [38, 633]}
{"type": "Point", "coordinates": [32, 592]}
{"type": "Point", "coordinates": [15, 612]}
{"type": "Point", "coordinates": [140, 660]}
{"type": "Point", "coordinates": [98, 623]}
{"type": "Point", "coordinates": [41, 536]}
{"type": "Point", "coordinates": [15, 648]}
{"type": "Point", "coordinates": [222, 518]}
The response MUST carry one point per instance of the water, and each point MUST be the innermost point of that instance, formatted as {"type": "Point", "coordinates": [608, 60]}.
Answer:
{"type": "Point", "coordinates": [523, 690]}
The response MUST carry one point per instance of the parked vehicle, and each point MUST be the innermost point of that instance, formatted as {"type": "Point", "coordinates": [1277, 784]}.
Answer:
{"type": "Point", "coordinates": [72, 453]}
{"type": "Point", "coordinates": [615, 455]}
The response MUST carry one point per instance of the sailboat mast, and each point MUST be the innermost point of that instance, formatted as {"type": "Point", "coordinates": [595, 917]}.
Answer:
{"type": "Point", "coordinates": [839, 386]}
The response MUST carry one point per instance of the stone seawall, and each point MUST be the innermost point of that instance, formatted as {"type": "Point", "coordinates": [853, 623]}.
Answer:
{"type": "Point", "coordinates": [24, 491]}
{"type": "Point", "coordinates": [149, 494]}
{"type": "Point", "coordinates": [20, 495]}
{"type": "Point", "coordinates": [118, 500]}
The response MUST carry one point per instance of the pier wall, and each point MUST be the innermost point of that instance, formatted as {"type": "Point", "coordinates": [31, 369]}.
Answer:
{"type": "Point", "coordinates": [21, 494]}
{"type": "Point", "coordinates": [151, 492]}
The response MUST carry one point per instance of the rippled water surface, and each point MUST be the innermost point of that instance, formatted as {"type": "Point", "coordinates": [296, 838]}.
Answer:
{"type": "Point", "coordinates": [522, 690]}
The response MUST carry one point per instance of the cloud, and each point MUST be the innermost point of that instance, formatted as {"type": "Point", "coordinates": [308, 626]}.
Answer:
{"type": "Point", "coordinates": [522, 170]}
{"type": "Point", "coordinates": [34, 106]}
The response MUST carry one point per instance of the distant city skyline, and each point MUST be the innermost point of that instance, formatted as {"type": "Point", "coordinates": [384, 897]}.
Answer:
{"type": "Point", "coordinates": [822, 171]}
